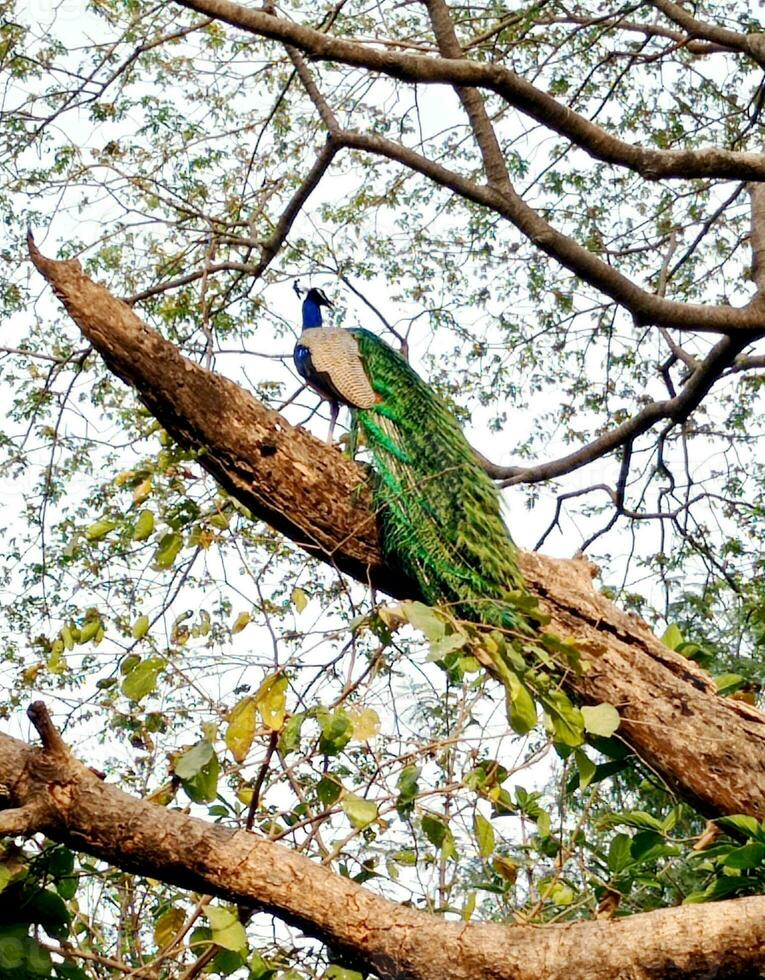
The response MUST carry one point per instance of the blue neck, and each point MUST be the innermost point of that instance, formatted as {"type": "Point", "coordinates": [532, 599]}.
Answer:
{"type": "Point", "coordinates": [311, 314]}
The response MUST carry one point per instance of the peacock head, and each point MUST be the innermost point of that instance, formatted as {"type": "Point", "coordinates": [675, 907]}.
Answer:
{"type": "Point", "coordinates": [312, 305]}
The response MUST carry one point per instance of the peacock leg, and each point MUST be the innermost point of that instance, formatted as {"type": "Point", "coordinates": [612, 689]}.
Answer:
{"type": "Point", "coordinates": [334, 411]}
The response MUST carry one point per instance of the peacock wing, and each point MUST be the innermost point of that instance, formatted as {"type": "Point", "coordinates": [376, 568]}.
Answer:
{"type": "Point", "coordinates": [337, 361]}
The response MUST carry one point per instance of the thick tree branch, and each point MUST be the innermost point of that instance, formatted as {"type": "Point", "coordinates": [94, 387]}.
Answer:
{"type": "Point", "coordinates": [392, 941]}
{"type": "Point", "coordinates": [651, 164]}
{"type": "Point", "coordinates": [757, 235]}
{"type": "Point", "coordinates": [472, 102]}
{"type": "Point", "coordinates": [711, 749]}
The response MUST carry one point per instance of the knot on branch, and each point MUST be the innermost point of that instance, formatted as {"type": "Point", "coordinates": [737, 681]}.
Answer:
{"type": "Point", "coordinates": [46, 787]}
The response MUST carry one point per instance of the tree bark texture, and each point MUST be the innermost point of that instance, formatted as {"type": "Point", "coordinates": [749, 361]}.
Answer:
{"type": "Point", "coordinates": [47, 790]}
{"type": "Point", "coordinates": [710, 749]}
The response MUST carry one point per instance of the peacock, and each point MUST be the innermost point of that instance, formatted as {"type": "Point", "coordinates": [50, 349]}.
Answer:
{"type": "Point", "coordinates": [439, 512]}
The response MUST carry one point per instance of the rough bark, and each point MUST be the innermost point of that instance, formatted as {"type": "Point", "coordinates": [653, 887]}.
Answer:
{"type": "Point", "coordinates": [710, 749]}
{"type": "Point", "coordinates": [47, 790]}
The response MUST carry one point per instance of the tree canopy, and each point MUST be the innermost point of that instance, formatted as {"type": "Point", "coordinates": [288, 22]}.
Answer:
{"type": "Point", "coordinates": [559, 217]}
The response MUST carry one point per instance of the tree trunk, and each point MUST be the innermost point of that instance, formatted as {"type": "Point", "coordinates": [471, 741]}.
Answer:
{"type": "Point", "coordinates": [710, 749]}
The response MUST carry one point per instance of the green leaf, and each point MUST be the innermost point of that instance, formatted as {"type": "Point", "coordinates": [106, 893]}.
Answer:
{"type": "Point", "coordinates": [601, 719]}
{"type": "Point", "coordinates": [198, 769]}
{"type": "Point", "coordinates": [522, 712]}
{"type": "Point", "coordinates": [142, 679]}
{"type": "Point", "coordinates": [6, 876]}
{"type": "Point", "coordinates": [328, 789]}
{"type": "Point", "coordinates": [336, 731]}
{"type": "Point", "coordinates": [585, 766]}
{"type": "Point", "coordinates": [193, 760]}
{"type": "Point", "coordinates": [672, 637]}
{"type": "Point", "coordinates": [261, 969]}
{"type": "Point", "coordinates": [741, 823]}
{"type": "Point", "coordinates": [167, 549]}
{"type": "Point", "coordinates": [49, 910]}
{"type": "Point", "coordinates": [242, 725]}
{"type": "Point", "coordinates": [21, 956]}
{"type": "Point", "coordinates": [335, 972]}
{"type": "Point", "coordinates": [408, 788]}
{"type": "Point", "coordinates": [439, 834]}
{"type": "Point", "coordinates": [90, 629]}
{"type": "Point", "coordinates": [729, 683]}
{"type": "Point", "coordinates": [359, 811]}
{"type": "Point", "coordinates": [633, 818]}
{"type": "Point", "coordinates": [143, 526]}
{"type": "Point", "coordinates": [647, 846]}
{"type": "Point", "coordinates": [566, 720]}
{"type": "Point", "coordinates": [290, 737]}
{"type": "Point", "coordinates": [366, 723]}
{"type": "Point", "coordinates": [484, 834]}
{"type": "Point", "coordinates": [425, 619]}
{"type": "Point", "coordinates": [619, 853]}
{"type": "Point", "coordinates": [440, 648]}
{"type": "Point", "coordinates": [557, 892]}
{"type": "Point", "coordinates": [168, 925]}
{"type": "Point", "coordinates": [468, 908]}
{"type": "Point", "coordinates": [747, 857]}
{"type": "Point", "coordinates": [227, 930]}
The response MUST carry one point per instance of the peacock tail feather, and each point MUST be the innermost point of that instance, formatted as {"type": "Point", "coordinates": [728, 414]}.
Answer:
{"type": "Point", "coordinates": [439, 511]}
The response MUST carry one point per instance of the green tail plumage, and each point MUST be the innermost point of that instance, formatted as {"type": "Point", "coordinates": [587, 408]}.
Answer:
{"type": "Point", "coordinates": [439, 511]}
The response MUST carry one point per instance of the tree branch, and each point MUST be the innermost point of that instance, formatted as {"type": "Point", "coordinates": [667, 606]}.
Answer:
{"type": "Point", "coordinates": [472, 102]}
{"type": "Point", "coordinates": [516, 91]}
{"type": "Point", "coordinates": [757, 235]}
{"type": "Point", "coordinates": [268, 248]}
{"type": "Point", "coordinates": [390, 940]}
{"type": "Point", "coordinates": [710, 749]}
{"type": "Point", "coordinates": [752, 45]}
{"type": "Point", "coordinates": [646, 307]}
{"type": "Point", "coordinates": [677, 409]}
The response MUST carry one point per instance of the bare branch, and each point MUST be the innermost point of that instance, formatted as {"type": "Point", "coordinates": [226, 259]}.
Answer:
{"type": "Point", "coordinates": [635, 27]}
{"type": "Point", "coordinates": [472, 102]}
{"type": "Point", "coordinates": [269, 248]}
{"type": "Point", "coordinates": [646, 307]}
{"type": "Point", "coordinates": [677, 409]}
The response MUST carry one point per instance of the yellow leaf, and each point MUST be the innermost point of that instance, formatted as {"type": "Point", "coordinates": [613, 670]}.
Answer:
{"type": "Point", "coordinates": [271, 700]}
{"type": "Point", "coordinates": [168, 925]}
{"type": "Point", "coordinates": [142, 491]}
{"type": "Point", "coordinates": [242, 723]}
{"type": "Point", "coordinates": [366, 723]}
{"type": "Point", "coordinates": [245, 794]}
{"type": "Point", "coordinates": [240, 622]}
{"type": "Point", "coordinates": [299, 599]}
{"type": "Point", "coordinates": [163, 795]}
